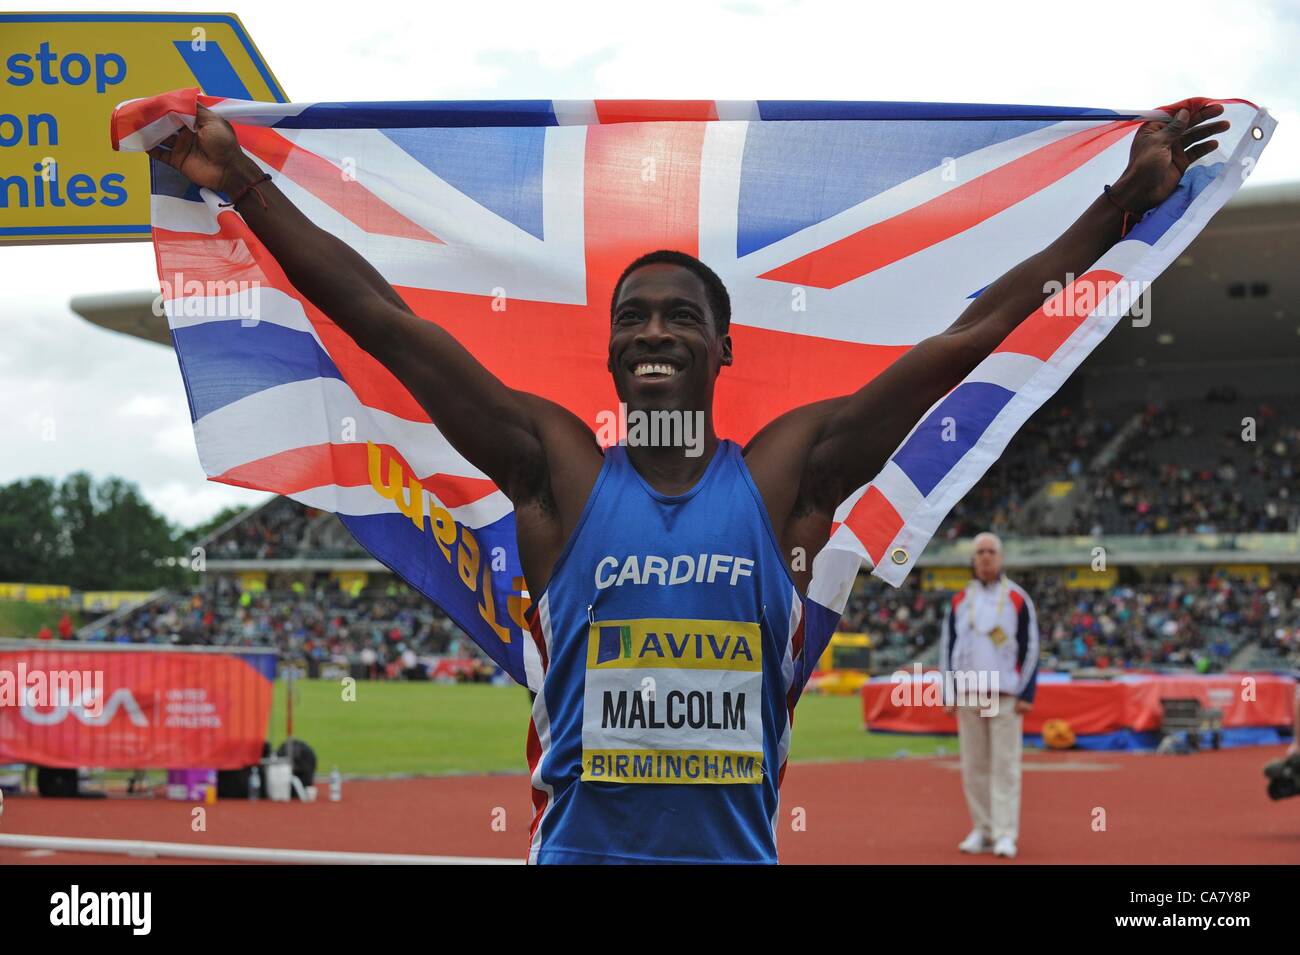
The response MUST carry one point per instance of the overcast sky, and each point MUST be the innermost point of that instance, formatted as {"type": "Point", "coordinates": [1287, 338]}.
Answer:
{"type": "Point", "coordinates": [76, 397]}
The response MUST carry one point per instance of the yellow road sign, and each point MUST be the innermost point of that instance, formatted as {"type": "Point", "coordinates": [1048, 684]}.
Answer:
{"type": "Point", "coordinates": [61, 74]}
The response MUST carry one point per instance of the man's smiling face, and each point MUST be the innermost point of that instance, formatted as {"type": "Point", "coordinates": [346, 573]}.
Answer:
{"type": "Point", "coordinates": [987, 560]}
{"type": "Point", "coordinates": [664, 346]}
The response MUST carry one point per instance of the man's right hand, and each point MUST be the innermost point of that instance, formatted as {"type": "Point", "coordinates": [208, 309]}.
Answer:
{"type": "Point", "coordinates": [950, 710]}
{"type": "Point", "coordinates": [208, 155]}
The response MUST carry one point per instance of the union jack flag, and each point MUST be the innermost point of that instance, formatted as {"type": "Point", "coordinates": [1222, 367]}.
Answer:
{"type": "Point", "coordinates": [845, 232]}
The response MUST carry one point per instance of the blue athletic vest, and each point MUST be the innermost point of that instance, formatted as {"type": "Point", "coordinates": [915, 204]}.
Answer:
{"type": "Point", "coordinates": [661, 728]}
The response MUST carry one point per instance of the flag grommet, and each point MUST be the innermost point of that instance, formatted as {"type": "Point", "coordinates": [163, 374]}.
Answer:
{"type": "Point", "coordinates": [898, 555]}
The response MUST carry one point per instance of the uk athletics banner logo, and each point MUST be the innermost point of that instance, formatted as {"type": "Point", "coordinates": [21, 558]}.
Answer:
{"type": "Point", "coordinates": [845, 232]}
{"type": "Point", "coordinates": [144, 708]}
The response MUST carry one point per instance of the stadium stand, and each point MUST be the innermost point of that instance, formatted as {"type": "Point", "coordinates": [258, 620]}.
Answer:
{"type": "Point", "coordinates": [1056, 445]}
{"type": "Point", "coordinates": [1191, 471]}
{"type": "Point", "coordinates": [282, 529]}
{"type": "Point", "coordinates": [1177, 468]}
{"type": "Point", "coordinates": [369, 633]}
{"type": "Point", "coordinates": [1192, 620]}
{"type": "Point", "coordinates": [1164, 474]}
{"type": "Point", "coordinates": [1197, 620]}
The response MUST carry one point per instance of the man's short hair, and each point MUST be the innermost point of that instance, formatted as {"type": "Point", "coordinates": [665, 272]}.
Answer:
{"type": "Point", "coordinates": [719, 300]}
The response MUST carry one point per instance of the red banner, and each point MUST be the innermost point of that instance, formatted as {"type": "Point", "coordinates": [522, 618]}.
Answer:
{"type": "Point", "coordinates": [134, 707]}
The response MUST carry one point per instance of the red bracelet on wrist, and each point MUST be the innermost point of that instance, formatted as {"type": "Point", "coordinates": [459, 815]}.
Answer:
{"type": "Point", "coordinates": [252, 186]}
{"type": "Point", "coordinates": [1124, 225]}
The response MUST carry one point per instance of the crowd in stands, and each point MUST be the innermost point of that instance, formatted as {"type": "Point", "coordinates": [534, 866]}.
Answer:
{"type": "Point", "coordinates": [1184, 467]}
{"type": "Point", "coordinates": [283, 529]}
{"type": "Point", "coordinates": [1195, 468]}
{"type": "Point", "coordinates": [1176, 468]}
{"type": "Point", "coordinates": [1188, 621]}
{"type": "Point", "coordinates": [1196, 622]}
{"type": "Point", "coordinates": [902, 622]}
{"type": "Point", "coordinates": [1056, 444]}
{"type": "Point", "coordinates": [383, 632]}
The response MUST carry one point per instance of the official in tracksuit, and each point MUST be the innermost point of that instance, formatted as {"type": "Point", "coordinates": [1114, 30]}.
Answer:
{"type": "Point", "coordinates": [989, 658]}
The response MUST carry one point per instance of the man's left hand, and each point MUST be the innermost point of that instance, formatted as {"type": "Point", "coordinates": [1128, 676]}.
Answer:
{"type": "Point", "coordinates": [1023, 707]}
{"type": "Point", "coordinates": [1161, 153]}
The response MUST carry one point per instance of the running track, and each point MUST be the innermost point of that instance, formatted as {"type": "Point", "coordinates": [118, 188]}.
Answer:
{"type": "Point", "coordinates": [1206, 808]}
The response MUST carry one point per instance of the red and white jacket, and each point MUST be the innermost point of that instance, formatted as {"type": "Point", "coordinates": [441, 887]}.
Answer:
{"type": "Point", "coordinates": [1004, 609]}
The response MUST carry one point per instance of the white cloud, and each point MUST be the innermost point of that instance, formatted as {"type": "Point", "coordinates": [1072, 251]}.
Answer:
{"type": "Point", "coordinates": [191, 503]}
{"type": "Point", "coordinates": [176, 441]}
{"type": "Point", "coordinates": [148, 406]}
{"type": "Point", "coordinates": [74, 397]}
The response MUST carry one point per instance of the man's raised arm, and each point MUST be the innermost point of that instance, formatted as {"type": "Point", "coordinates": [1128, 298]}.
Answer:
{"type": "Point", "coordinates": [847, 440]}
{"type": "Point", "coordinates": [498, 429]}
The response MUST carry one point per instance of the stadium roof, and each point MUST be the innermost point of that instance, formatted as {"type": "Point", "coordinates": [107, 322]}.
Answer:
{"type": "Point", "coordinates": [130, 313]}
{"type": "Point", "coordinates": [1233, 296]}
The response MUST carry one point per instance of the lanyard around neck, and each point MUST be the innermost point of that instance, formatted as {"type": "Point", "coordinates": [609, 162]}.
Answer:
{"type": "Point", "coordinates": [997, 614]}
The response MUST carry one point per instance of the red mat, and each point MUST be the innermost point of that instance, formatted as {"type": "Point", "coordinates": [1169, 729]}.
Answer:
{"type": "Point", "coordinates": [1095, 706]}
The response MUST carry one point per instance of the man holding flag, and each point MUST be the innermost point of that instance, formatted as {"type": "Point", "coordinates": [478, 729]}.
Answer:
{"type": "Point", "coordinates": [667, 598]}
